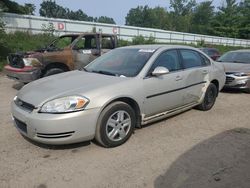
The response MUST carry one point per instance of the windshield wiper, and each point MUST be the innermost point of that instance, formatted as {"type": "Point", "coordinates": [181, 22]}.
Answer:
{"type": "Point", "coordinates": [83, 68]}
{"type": "Point", "coordinates": [238, 61]}
{"type": "Point", "coordinates": [104, 72]}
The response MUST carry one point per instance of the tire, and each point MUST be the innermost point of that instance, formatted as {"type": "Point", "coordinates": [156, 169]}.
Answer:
{"type": "Point", "coordinates": [209, 98]}
{"type": "Point", "coordinates": [53, 71]}
{"type": "Point", "coordinates": [115, 125]}
{"type": "Point", "coordinates": [247, 90]}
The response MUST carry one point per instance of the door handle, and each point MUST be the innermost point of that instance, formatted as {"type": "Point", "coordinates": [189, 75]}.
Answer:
{"type": "Point", "coordinates": [177, 78]}
{"type": "Point", "coordinates": [204, 72]}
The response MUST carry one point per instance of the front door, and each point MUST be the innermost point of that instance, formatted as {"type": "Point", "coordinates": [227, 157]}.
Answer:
{"type": "Point", "coordinates": [164, 92]}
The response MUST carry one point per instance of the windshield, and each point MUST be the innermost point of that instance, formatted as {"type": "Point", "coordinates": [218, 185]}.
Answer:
{"type": "Point", "coordinates": [121, 62]}
{"type": "Point", "coordinates": [235, 57]}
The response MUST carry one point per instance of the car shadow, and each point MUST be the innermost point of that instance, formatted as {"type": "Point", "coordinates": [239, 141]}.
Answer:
{"type": "Point", "coordinates": [221, 161]}
{"type": "Point", "coordinates": [232, 91]}
{"type": "Point", "coordinates": [18, 86]}
{"type": "Point", "coordinates": [58, 147]}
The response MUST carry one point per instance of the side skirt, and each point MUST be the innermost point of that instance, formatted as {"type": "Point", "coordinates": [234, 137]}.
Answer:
{"type": "Point", "coordinates": [162, 115]}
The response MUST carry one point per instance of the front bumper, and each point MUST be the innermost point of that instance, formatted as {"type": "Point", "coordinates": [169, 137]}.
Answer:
{"type": "Point", "coordinates": [55, 129]}
{"type": "Point", "coordinates": [22, 75]}
{"type": "Point", "coordinates": [237, 82]}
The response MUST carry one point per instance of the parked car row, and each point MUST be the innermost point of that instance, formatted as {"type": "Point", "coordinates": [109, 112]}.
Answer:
{"type": "Point", "coordinates": [123, 89]}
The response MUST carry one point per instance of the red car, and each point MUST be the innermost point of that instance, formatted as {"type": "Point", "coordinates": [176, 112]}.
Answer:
{"type": "Point", "coordinates": [211, 52]}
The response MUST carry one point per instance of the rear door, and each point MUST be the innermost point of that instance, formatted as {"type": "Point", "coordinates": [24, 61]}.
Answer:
{"type": "Point", "coordinates": [196, 74]}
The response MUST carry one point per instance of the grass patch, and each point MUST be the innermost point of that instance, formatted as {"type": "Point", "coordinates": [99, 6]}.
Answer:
{"type": "Point", "coordinates": [21, 42]}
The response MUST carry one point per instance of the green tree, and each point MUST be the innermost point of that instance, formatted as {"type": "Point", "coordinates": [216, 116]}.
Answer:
{"type": "Point", "coordinates": [227, 20]}
{"type": "Point", "coordinates": [13, 7]}
{"type": "Point", "coordinates": [29, 8]}
{"type": "Point", "coordinates": [105, 19]}
{"type": "Point", "coordinates": [244, 29]}
{"type": "Point", "coordinates": [1, 23]}
{"type": "Point", "coordinates": [52, 10]}
{"type": "Point", "coordinates": [202, 17]}
{"type": "Point", "coordinates": [141, 16]}
{"type": "Point", "coordinates": [135, 17]}
{"type": "Point", "coordinates": [181, 14]}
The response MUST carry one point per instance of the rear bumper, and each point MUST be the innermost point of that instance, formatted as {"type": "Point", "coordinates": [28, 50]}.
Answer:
{"type": "Point", "coordinates": [24, 75]}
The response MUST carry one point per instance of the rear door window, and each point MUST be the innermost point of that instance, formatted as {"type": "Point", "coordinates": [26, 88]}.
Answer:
{"type": "Point", "coordinates": [191, 58]}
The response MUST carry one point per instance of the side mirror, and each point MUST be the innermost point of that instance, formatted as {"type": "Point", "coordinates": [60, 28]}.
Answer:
{"type": "Point", "coordinates": [160, 71]}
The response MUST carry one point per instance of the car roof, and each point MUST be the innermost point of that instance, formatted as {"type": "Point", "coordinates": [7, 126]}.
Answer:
{"type": "Point", "coordinates": [242, 50]}
{"type": "Point", "coordinates": [158, 46]}
{"type": "Point", "coordinates": [208, 49]}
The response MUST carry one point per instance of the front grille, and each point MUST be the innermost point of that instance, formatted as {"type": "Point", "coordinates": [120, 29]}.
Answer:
{"type": "Point", "coordinates": [24, 105]}
{"type": "Point", "coordinates": [16, 60]}
{"type": "Point", "coordinates": [55, 135]}
{"type": "Point", "coordinates": [21, 125]}
{"type": "Point", "coordinates": [229, 79]}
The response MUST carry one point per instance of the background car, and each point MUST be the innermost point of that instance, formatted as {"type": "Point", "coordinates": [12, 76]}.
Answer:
{"type": "Point", "coordinates": [237, 68]}
{"type": "Point", "coordinates": [66, 53]}
{"type": "Point", "coordinates": [125, 88]}
{"type": "Point", "coordinates": [211, 52]}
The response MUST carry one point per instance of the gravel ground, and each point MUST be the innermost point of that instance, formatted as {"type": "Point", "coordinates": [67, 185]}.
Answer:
{"type": "Point", "coordinates": [194, 149]}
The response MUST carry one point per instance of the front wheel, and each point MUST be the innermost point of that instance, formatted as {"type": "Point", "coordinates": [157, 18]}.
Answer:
{"type": "Point", "coordinates": [115, 124]}
{"type": "Point", "coordinates": [209, 98]}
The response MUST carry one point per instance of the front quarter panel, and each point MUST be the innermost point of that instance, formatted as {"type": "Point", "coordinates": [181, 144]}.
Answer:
{"type": "Point", "coordinates": [129, 88]}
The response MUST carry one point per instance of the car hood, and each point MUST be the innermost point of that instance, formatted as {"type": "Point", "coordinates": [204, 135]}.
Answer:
{"type": "Point", "coordinates": [236, 67]}
{"type": "Point", "coordinates": [70, 83]}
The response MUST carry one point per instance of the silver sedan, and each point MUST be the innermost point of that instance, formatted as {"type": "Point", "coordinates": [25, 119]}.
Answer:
{"type": "Point", "coordinates": [123, 89]}
{"type": "Point", "coordinates": [237, 67]}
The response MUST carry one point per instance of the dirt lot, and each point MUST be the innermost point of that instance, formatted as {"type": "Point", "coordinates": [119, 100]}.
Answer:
{"type": "Point", "coordinates": [194, 149]}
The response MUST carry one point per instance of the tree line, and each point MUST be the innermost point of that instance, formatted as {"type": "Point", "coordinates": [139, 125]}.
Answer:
{"type": "Point", "coordinates": [231, 19]}
{"type": "Point", "coordinates": [51, 9]}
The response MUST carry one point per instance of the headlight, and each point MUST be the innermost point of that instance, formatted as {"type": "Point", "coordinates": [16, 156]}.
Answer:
{"type": "Point", "coordinates": [65, 104]}
{"type": "Point", "coordinates": [241, 74]}
{"type": "Point", "coordinates": [34, 62]}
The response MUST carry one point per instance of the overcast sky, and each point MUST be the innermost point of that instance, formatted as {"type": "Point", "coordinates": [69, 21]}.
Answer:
{"type": "Point", "coordinates": [117, 9]}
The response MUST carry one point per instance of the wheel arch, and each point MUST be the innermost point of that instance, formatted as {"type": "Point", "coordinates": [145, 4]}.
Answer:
{"type": "Point", "coordinates": [131, 102]}
{"type": "Point", "coordinates": [55, 65]}
{"type": "Point", "coordinates": [216, 83]}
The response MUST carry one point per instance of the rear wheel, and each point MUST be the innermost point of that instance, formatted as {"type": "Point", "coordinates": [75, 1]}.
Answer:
{"type": "Point", "coordinates": [209, 98]}
{"type": "Point", "coordinates": [115, 124]}
{"type": "Point", "coordinates": [53, 71]}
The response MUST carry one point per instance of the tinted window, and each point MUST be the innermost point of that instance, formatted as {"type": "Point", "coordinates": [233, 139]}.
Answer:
{"type": "Point", "coordinates": [168, 59]}
{"type": "Point", "coordinates": [191, 59]}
